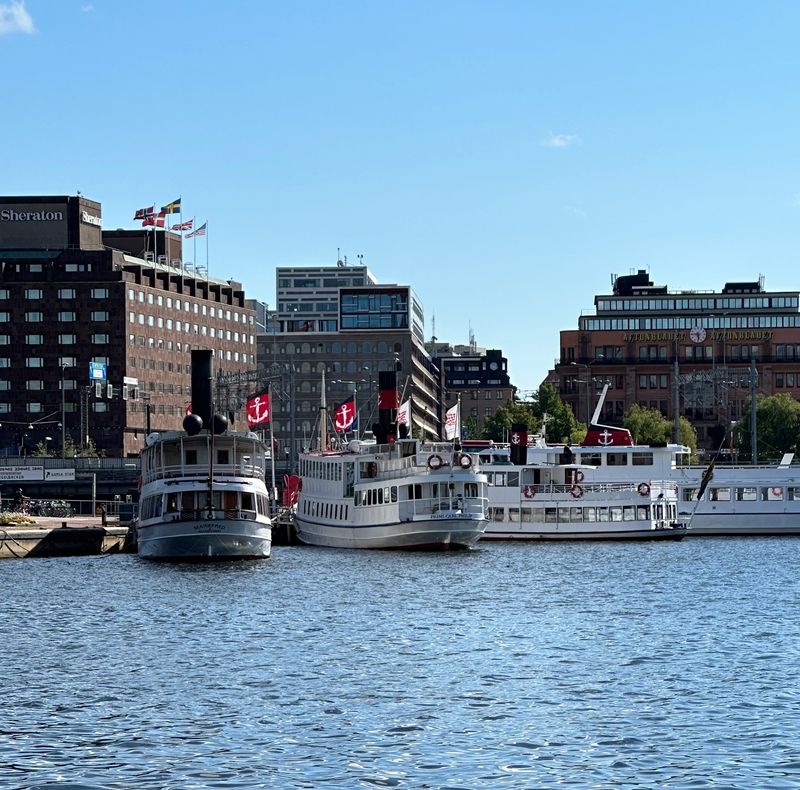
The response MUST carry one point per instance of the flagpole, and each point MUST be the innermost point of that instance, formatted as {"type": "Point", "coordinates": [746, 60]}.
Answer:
{"type": "Point", "coordinates": [271, 444]}
{"type": "Point", "coordinates": [207, 274]}
{"type": "Point", "coordinates": [355, 406]}
{"type": "Point", "coordinates": [194, 247]}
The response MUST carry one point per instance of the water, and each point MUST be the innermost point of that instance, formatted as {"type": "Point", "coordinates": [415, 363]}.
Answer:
{"type": "Point", "coordinates": [512, 666]}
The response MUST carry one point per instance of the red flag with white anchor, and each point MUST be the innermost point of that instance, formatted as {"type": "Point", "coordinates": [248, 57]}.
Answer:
{"type": "Point", "coordinates": [258, 410]}
{"type": "Point", "coordinates": [344, 416]}
{"type": "Point", "coordinates": [519, 443]}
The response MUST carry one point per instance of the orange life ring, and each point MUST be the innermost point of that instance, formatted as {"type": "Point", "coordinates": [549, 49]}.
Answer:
{"type": "Point", "coordinates": [576, 491]}
{"type": "Point", "coordinates": [435, 462]}
{"type": "Point", "coordinates": [643, 489]}
{"type": "Point", "coordinates": [528, 492]}
{"type": "Point", "coordinates": [465, 461]}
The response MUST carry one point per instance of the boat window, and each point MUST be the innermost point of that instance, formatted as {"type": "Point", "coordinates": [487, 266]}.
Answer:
{"type": "Point", "coordinates": [379, 493]}
{"type": "Point", "coordinates": [720, 495]}
{"type": "Point", "coordinates": [642, 459]}
{"type": "Point", "coordinates": [616, 513]}
{"type": "Point", "coordinates": [772, 494]}
{"type": "Point", "coordinates": [589, 459]}
{"type": "Point", "coordinates": [590, 514]}
{"type": "Point", "coordinates": [527, 514]}
{"type": "Point", "coordinates": [191, 457]}
{"type": "Point", "coordinates": [602, 514]}
{"type": "Point", "coordinates": [187, 501]}
{"type": "Point", "coordinates": [563, 515]}
{"type": "Point", "coordinates": [793, 493]}
{"type": "Point", "coordinates": [172, 503]}
{"type": "Point", "coordinates": [629, 513]}
{"type": "Point", "coordinates": [550, 515]}
{"type": "Point", "coordinates": [576, 514]}
{"type": "Point", "coordinates": [643, 512]}
{"type": "Point", "coordinates": [386, 495]}
{"type": "Point", "coordinates": [470, 489]}
{"type": "Point", "coordinates": [513, 479]}
{"type": "Point", "coordinates": [231, 500]}
{"type": "Point", "coordinates": [223, 456]}
{"type": "Point", "coordinates": [394, 493]}
{"type": "Point", "coordinates": [747, 494]}
{"type": "Point", "coordinates": [538, 514]}
{"type": "Point", "coordinates": [496, 513]}
{"type": "Point", "coordinates": [513, 514]}
{"type": "Point", "coordinates": [248, 502]}
{"type": "Point", "coordinates": [688, 494]}
{"type": "Point", "coordinates": [617, 459]}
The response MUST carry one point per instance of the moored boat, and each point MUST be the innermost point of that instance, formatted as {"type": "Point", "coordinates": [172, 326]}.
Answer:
{"type": "Point", "coordinates": [390, 493]}
{"type": "Point", "coordinates": [203, 494]}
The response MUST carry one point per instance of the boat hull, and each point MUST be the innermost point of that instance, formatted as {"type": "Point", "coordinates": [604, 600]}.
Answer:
{"type": "Point", "coordinates": [427, 534]}
{"type": "Point", "coordinates": [198, 540]}
{"type": "Point", "coordinates": [645, 533]}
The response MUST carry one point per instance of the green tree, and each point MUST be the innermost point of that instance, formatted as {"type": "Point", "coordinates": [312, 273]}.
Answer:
{"type": "Point", "coordinates": [777, 425]}
{"type": "Point", "coordinates": [498, 426]}
{"type": "Point", "coordinates": [561, 423]}
{"type": "Point", "coordinates": [650, 426]}
{"type": "Point", "coordinates": [469, 428]}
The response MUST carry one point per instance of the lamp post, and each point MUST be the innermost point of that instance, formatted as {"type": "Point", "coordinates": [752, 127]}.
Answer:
{"type": "Point", "coordinates": [63, 416]}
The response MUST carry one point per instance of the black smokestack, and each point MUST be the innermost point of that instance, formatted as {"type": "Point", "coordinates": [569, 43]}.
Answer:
{"type": "Point", "coordinates": [202, 372]}
{"type": "Point", "coordinates": [519, 443]}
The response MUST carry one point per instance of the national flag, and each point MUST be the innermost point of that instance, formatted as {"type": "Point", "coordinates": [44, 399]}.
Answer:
{"type": "Point", "coordinates": [258, 410]}
{"type": "Point", "coordinates": [155, 220]}
{"type": "Point", "coordinates": [188, 409]}
{"type": "Point", "coordinates": [172, 208]}
{"type": "Point", "coordinates": [144, 213]}
{"type": "Point", "coordinates": [404, 413]}
{"type": "Point", "coordinates": [344, 416]}
{"type": "Point", "coordinates": [452, 422]}
{"type": "Point", "coordinates": [201, 231]}
{"type": "Point", "coordinates": [707, 477]}
{"type": "Point", "coordinates": [183, 225]}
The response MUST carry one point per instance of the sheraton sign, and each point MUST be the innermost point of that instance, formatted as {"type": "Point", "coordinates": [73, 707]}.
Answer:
{"type": "Point", "coordinates": [9, 215]}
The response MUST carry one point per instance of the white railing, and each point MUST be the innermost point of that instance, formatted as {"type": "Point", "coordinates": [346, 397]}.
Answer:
{"type": "Point", "coordinates": [201, 471]}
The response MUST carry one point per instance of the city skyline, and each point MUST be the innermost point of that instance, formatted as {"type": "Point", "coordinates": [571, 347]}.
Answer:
{"type": "Point", "coordinates": [503, 160]}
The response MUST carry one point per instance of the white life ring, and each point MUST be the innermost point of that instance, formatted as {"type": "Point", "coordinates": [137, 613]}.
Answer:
{"type": "Point", "coordinates": [465, 461]}
{"type": "Point", "coordinates": [579, 476]}
{"type": "Point", "coordinates": [435, 462]}
{"type": "Point", "coordinates": [576, 491]}
{"type": "Point", "coordinates": [528, 492]}
{"type": "Point", "coordinates": [643, 489]}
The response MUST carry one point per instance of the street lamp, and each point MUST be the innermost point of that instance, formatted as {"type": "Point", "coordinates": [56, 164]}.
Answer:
{"type": "Point", "coordinates": [46, 440]}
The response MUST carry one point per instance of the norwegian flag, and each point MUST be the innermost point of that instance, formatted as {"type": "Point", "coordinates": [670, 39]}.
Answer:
{"type": "Point", "coordinates": [183, 225]}
{"type": "Point", "coordinates": [258, 410]}
{"type": "Point", "coordinates": [344, 416]}
{"type": "Point", "coordinates": [144, 213]}
{"type": "Point", "coordinates": [156, 220]}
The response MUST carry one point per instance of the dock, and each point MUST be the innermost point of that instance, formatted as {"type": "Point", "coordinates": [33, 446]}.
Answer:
{"type": "Point", "coordinates": [65, 537]}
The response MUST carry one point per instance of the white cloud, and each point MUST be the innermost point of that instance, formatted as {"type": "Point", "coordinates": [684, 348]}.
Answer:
{"type": "Point", "coordinates": [14, 18]}
{"type": "Point", "coordinates": [560, 140]}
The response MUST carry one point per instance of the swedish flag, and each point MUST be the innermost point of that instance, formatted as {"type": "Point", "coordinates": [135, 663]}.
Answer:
{"type": "Point", "coordinates": [172, 208]}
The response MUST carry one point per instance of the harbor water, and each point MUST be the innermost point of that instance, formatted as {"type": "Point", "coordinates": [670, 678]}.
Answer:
{"type": "Point", "coordinates": [598, 665]}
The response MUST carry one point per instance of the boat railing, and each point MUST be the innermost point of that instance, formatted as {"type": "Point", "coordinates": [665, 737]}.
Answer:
{"type": "Point", "coordinates": [201, 471]}
{"type": "Point", "coordinates": [578, 490]}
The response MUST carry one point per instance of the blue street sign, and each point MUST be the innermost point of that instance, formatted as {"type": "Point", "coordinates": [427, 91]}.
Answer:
{"type": "Point", "coordinates": [97, 371]}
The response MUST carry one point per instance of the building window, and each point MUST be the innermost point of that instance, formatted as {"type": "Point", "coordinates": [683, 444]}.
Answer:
{"type": "Point", "coordinates": [69, 362]}
{"type": "Point", "coordinates": [67, 340]}
{"type": "Point", "coordinates": [66, 315]}
{"type": "Point", "coordinates": [5, 384]}
{"type": "Point", "coordinates": [66, 293]}
{"type": "Point", "coordinates": [34, 408]}
{"type": "Point", "coordinates": [5, 408]}
{"type": "Point", "coordinates": [33, 293]}
{"type": "Point", "coordinates": [99, 315]}
{"type": "Point", "coordinates": [3, 293]}
{"type": "Point", "coordinates": [100, 338]}
{"type": "Point", "coordinates": [34, 384]}
{"type": "Point", "coordinates": [5, 362]}
{"type": "Point", "coordinates": [99, 293]}
{"type": "Point", "coordinates": [34, 340]}
{"type": "Point", "coordinates": [34, 362]}
{"type": "Point", "coordinates": [34, 317]}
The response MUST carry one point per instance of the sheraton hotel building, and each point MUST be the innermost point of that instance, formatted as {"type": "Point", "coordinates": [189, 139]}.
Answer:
{"type": "Point", "coordinates": [96, 328]}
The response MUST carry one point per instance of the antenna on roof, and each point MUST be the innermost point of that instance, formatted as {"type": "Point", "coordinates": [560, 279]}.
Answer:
{"type": "Point", "coordinates": [339, 257]}
{"type": "Point", "coordinates": [433, 328]}
{"type": "Point", "coordinates": [472, 345]}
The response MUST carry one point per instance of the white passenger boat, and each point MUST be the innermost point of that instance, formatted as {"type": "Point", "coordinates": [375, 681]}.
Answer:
{"type": "Point", "coordinates": [398, 495]}
{"type": "Point", "coordinates": [391, 492]}
{"type": "Point", "coordinates": [741, 499]}
{"type": "Point", "coordinates": [203, 490]}
{"type": "Point", "coordinates": [551, 500]}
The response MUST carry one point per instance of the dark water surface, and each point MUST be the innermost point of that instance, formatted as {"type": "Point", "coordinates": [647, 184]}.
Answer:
{"type": "Point", "coordinates": [511, 666]}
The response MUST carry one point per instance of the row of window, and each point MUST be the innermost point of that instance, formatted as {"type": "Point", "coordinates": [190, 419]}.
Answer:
{"type": "Point", "coordinates": [380, 347]}
{"type": "Point", "coordinates": [63, 316]}
{"type": "Point", "coordinates": [63, 293]}
{"type": "Point", "coordinates": [705, 303]}
{"type": "Point", "coordinates": [738, 322]}
{"type": "Point", "coordinates": [187, 328]}
{"type": "Point", "coordinates": [188, 307]}
{"type": "Point", "coordinates": [570, 515]}
{"type": "Point", "coordinates": [64, 339]}
{"type": "Point", "coordinates": [140, 341]}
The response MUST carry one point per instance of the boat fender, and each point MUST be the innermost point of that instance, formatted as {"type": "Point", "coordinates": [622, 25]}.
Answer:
{"type": "Point", "coordinates": [435, 462]}
{"type": "Point", "coordinates": [576, 491]}
{"type": "Point", "coordinates": [643, 489]}
{"type": "Point", "coordinates": [579, 476]}
{"type": "Point", "coordinates": [465, 461]}
{"type": "Point", "coordinates": [528, 492]}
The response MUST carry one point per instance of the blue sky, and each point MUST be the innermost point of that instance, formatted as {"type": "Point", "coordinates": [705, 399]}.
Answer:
{"type": "Point", "coordinates": [502, 158]}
